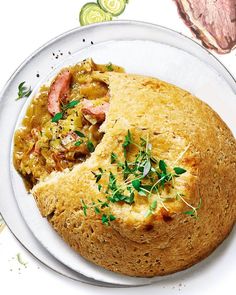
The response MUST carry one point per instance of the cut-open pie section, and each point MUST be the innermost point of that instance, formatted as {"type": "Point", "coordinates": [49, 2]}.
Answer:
{"type": "Point", "coordinates": [154, 190]}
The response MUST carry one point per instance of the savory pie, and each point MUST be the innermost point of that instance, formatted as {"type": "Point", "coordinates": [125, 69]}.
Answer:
{"type": "Point", "coordinates": [135, 174]}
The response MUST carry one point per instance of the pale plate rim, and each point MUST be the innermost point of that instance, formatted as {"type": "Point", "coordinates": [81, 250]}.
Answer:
{"type": "Point", "coordinates": [84, 29]}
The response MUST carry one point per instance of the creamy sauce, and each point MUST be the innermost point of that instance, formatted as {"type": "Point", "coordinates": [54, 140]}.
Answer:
{"type": "Point", "coordinates": [42, 146]}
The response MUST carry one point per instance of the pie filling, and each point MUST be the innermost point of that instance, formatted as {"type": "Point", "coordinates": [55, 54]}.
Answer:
{"type": "Point", "coordinates": [62, 125]}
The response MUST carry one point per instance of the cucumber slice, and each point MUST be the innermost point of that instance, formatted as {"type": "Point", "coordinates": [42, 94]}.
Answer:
{"type": "Point", "coordinates": [92, 13]}
{"type": "Point", "coordinates": [115, 7]}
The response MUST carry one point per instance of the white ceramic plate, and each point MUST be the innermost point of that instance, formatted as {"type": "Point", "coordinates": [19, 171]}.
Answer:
{"type": "Point", "coordinates": [140, 48]}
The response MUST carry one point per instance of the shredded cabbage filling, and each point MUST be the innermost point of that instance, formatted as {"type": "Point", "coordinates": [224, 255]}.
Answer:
{"type": "Point", "coordinates": [53, 141]}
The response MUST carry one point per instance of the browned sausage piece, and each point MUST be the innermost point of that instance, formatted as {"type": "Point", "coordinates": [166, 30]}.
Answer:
{"type": "Point", "coordinates": [96, 113]}
{"type": "Point", "coordinates": [58, 92]}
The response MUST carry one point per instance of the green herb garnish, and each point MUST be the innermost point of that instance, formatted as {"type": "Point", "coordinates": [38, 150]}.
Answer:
{"type": "Point", "coordinates": [109, 67]}
{"type": "Point", "coordinates": [151, 209]}
{"type": "Point", "coordinates": [104, 204]}
{"type": "Point", "coordinates": [179, 170]}
{"type": "Point", "coordinates": [98, 176]}
{"type": "Point", "coordinates": [113, 158]}
{"type": "Point", "coordinates": [78, 142]}
{"type": "Point", "coordinates": [70, 105]}
{"type": "Point", "coordinates": [64, 108]}
{"type": "Point", "coordinates": [119, 197]}
{"type": "Point", "coordinates": [90, 146]}
{"type": "Point", "coordinates": [80, 134]}
{"type": "Point", "coordinates": [162, 166]}
{"type": "Point", "coordinates": [112, 217]}
{"type": "Point", "coordinates": [96, 210]}
{"type": "Point", "coordinates": [136, 184]}
{"type": "Point", "coordinates": [107, 218]}
{"type": "Point", "coordinates": [85, 207]}
{"type": "Point", "coordinates": [57, 117]}
{"type": "Point", "coordinates": [112, 182]}
{"type": "Point", "coordinates": [127, 142]}
{"type": "Point", "coordinates": [128, 139]}
{"type": "Point", "coordinates": [23, 91]}
{"type": "Point", "coordinates": [144, 175]}
{"type": "Point", "coordinates": [193, 213]}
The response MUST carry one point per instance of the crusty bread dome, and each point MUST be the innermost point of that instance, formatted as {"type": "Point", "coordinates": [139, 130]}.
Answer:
{"type": "Point", "coordinates": [182, 130]}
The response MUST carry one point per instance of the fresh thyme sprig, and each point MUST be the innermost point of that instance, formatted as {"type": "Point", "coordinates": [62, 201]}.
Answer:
{"type": "Point", "coordinates": [109, 67]}
{"type": "Point", "coordinates": [151, 209]}
{"type": "Point", "coordinates": [145, 175]}
{"type": "Point", "coordinates": [107, 218]}
{"type": "Point", "coordinates": [23, 91]}
{"type": "Point", "coordinates": [70, 105]}
{"type": "Point", "coordinates": [194, 212]}
{"type": "Point", "coordinates": [97, 207]}
{"type": "Point", "coordinates": [83, 139]}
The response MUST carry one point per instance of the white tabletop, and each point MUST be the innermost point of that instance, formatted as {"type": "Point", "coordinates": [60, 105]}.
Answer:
{"type": "Point", "coordinates": [24, 26]}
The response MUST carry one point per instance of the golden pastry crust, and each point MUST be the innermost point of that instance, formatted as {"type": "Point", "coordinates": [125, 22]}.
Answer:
{"type": "Point", "coordinates": [181, 129]}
